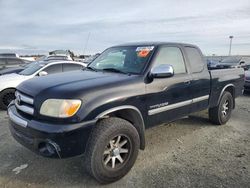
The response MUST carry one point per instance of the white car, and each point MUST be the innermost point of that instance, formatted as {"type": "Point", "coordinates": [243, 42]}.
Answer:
{"type": "Point", "coordinates": [9, 82]}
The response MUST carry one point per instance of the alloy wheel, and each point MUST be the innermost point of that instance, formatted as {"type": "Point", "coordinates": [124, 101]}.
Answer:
{"type": "Point", "coordinates": [225, 108]}
{"type": "Point", "coordinates": [116, 152]}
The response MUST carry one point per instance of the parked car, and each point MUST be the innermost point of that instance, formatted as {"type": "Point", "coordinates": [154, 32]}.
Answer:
{"type": "Point", "coordinates": [9, 55]}
{"type": "Point", "coordinates": [12, 70]}
{"type": "Point", "coordinates": [212, 64]}
{"type": "Point", "coordinates": [235, 62]}
{"type": "Point", "coordinates": [105, 109]}
{"type": "Point", "coordinates": [63, 52]}
{"type": "Point", "coordinates": [18, 68]}
{"type": "Point", "coordinates": [9, 82]}
{"type": "Point", "coordinates": [247, 81]}
{"type": "Point", "coordinates": [7, 62]}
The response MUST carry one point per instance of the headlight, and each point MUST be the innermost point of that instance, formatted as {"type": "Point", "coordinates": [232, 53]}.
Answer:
{"type": "Point", "coordinates": [61, 108]}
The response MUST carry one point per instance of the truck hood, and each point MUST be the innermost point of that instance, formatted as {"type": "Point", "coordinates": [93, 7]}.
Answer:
{"type": "Point", "coordinates": [70, 82]}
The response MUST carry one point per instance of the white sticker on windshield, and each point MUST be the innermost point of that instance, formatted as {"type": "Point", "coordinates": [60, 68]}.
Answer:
{"type": "Point", "coordinates": [142, 48]}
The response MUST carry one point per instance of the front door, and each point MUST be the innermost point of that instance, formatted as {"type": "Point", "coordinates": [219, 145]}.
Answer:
{"type": "Point", "coordinates": [169, 98]}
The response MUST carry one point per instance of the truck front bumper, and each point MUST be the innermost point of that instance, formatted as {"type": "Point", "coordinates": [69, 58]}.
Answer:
{"type": "Point", "coordinates": [49, 140]}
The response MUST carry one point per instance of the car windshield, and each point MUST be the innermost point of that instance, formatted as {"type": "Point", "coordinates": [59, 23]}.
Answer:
{"type": "Point", "coordinates": [124, 59]}
{"type": "Point", "coordinates": [231, 60]}
{"type": "Point", "coordinates": [32, 68]}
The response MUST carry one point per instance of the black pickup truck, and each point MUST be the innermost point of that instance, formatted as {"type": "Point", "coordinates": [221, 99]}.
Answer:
{"type": "Point", "coordinates": [103, 111]}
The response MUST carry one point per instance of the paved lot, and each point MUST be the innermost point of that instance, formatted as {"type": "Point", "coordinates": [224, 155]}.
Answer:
{"type": "Point", "coordinates": [188, 153]}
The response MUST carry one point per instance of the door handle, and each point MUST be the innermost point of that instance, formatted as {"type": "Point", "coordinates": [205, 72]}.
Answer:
{"type": "Point", "coordinates": [187, 82]}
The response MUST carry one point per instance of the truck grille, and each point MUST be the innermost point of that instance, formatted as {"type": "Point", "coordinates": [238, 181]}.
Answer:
{"type": "Point", "coordinates": [24, 103]}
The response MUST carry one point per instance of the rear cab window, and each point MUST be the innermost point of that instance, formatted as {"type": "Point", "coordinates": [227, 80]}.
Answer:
{"type": "Point", "coordinates": [195, 59]}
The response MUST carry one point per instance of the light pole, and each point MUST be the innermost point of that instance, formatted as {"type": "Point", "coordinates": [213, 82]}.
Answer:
{"type": "Point", "coordinates": [230, 45]}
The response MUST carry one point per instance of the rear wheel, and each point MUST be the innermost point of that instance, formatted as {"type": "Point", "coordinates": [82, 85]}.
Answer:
{"type": "Point", "coordinates": [112, 150]}
{"type": "Point", "coordinates": [6, 97]}
{"type": "Point", "coordinates": [222, 113]}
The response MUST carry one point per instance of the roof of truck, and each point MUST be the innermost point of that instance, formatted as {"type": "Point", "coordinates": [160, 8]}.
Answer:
{"type": "Point", "coordinates": [157, 43]}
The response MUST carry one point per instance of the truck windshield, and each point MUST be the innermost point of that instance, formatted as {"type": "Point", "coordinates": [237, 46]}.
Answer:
{"type": "Point", "coordinates": [32, 68]}
{"type": "Point", "coordinates": [124, 59]}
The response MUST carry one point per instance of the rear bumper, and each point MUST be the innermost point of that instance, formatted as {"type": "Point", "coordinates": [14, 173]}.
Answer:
{"type": "Point", "coordinates": [49, 140]}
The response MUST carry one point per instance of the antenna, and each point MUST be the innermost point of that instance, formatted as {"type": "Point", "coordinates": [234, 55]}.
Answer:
{"type": "Point", "coordinates": [86, 44]}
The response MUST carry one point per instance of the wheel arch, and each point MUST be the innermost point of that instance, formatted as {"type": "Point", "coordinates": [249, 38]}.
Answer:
{"type": "Point", "coordinates": [231, 89]}
{"type": "Point", "coordinates": [131, 114]}
{"type": "Point", "coordinates": [9, 88]}
{"type": "Point", "coordinates": [3, 104]}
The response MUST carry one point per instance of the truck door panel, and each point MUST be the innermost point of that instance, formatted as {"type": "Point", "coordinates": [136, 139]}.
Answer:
{"type": "Point", "coordinates": [169, 98]}
{"type": "Point", "coordinates": [200, 85]}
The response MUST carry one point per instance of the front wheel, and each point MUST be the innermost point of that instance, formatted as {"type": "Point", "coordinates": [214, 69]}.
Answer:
{"type": "Point", "coordinates": [222, 113]}
{"type": "Point", "coordinates": [112, 149]}
{"type": "Point", "coordinates": [6, 97]}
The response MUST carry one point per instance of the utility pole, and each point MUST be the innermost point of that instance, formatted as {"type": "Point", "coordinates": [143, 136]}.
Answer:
{"type": "Point", "coordinates": [230, 45]}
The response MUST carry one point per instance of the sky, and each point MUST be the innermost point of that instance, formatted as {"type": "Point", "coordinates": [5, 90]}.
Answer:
{"type": "Point", "coordinates": [31, 26]}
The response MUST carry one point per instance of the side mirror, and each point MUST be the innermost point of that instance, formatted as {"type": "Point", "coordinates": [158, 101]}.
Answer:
{"type": "Point", "coordinates": [42, 73]}
{"type": "Point", "coordinates": [242, 63]}
{"type": "Point", "coordinates": [162, 71]}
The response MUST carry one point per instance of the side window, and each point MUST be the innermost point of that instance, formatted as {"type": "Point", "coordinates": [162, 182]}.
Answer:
{"type": "Point", "coordinates": [195, 59]}
{"type": "Point", "coordinates": [2, 61]}
{"type": "Point", "coordinates": [14, 61]}
{"type": "Point", "coordinates": [53, 69]}
{"type": "Point", "coordinates": [71, 67]}
{"type": "Point", "coordinates": [171, 56]}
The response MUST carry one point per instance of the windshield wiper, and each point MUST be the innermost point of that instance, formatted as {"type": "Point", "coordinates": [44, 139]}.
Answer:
{"type": "Point", "coordinates": [114, 70]}
{"type": "Point", "coordinates": [91, 68]}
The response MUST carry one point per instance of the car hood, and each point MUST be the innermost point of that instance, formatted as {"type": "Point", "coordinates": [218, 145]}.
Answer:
{"type": "Point", "coordinates": [69, 83]}
{"type": "Point", "coordinates": [12, 77]}
{"type": "Point", "coordinates": [11, 80]}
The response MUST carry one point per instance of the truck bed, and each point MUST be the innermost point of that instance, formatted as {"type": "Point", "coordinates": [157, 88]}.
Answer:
{"type": "Point", "coordinates": [224, 77]}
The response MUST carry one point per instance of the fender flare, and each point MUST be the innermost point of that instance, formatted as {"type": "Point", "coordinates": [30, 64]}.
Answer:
{"type": "Point", "coordinates": [222, 91]}
{"type": "Point", "coordinates": [140, 126]}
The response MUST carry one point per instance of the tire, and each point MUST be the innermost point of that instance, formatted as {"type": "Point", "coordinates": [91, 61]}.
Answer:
{"type": "Point", "coordinates": [99, 150]}
{"type": "Point", "coordinates": [220, 114]}
{"type": "Point", "coordinates": [6, 96]}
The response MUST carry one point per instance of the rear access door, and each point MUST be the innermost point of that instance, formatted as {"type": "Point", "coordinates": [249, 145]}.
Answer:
{"type": "Point", "coordinates": [201, 81]}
